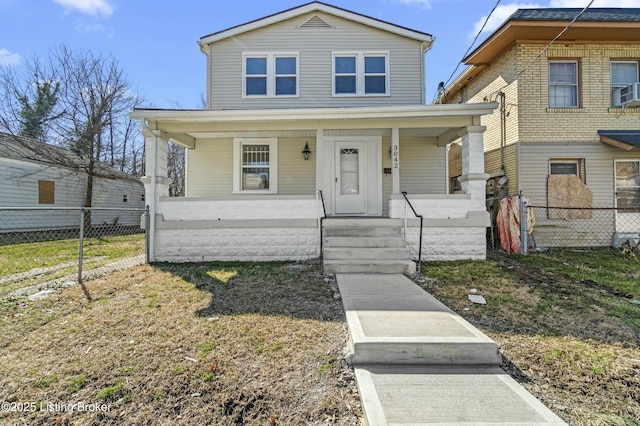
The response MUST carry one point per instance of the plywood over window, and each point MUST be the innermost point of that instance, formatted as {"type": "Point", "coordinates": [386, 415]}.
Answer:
{"type": "Point", "coordinates": [46, 192]}
{"type": "Point", "coordinates": [569, 191]}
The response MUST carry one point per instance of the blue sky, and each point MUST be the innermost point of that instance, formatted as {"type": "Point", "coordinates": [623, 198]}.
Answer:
{"type": "Point", "coordinates": [155, 42]}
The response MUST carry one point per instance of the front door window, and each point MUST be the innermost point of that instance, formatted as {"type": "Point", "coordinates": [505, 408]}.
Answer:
{"type": "Point", "coordinates": [349, 171]}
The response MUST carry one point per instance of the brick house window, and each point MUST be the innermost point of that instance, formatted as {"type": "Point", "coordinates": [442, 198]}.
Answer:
{"type": "Point", "coordinates": [563, 84]}
{"type": "Point", "coordinates": [623, 73]}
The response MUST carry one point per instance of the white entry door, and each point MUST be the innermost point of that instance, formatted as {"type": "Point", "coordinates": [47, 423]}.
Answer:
{"type": "Point", "coordinates": [350, 189]}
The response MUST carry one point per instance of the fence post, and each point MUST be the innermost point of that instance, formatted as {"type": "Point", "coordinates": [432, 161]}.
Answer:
{"type": "Point", "coordinates": [524, 240]}
{"type": "Point", "coordinates": [80, 245]}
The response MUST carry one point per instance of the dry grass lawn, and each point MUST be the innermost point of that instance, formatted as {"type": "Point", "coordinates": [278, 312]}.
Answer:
{"type": "Point", "coordinates": [202, 344]}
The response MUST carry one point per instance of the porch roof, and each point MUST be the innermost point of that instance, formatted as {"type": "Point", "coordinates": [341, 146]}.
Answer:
{"type": "Point", "coordinates": [185, 126]}
{"type": "Point", "coordinates": [623, 139]}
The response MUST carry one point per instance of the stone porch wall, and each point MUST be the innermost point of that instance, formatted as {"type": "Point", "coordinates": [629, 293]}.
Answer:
{"type": "Point", "coordinates": [245, 228]}
{"type": "Point", "coordinates": [454, 226]}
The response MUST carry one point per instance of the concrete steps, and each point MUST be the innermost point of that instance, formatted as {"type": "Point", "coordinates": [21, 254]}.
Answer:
{"type": "Point", "coordinates": [357, 245]}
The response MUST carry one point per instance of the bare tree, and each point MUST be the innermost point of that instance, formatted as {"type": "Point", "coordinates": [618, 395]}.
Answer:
{"type": "Point", "coordinates": [88, 98]}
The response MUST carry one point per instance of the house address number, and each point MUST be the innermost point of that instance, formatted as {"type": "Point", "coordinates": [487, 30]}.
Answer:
{"type": "Point", "coordinates": [395, 156]}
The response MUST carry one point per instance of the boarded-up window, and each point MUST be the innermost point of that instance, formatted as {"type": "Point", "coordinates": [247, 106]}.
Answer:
{"type": "Point", "coordinates": [567, 190]}
{"type": "Point", "coordinates": [46, 192]}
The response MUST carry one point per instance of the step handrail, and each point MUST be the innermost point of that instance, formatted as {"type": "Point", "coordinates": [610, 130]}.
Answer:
{"type": "Point", "coordinates": [320, 198]}
{"type": "Point", "coordinates": [404, 194]}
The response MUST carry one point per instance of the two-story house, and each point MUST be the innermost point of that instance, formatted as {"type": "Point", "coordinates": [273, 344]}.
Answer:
{"type": "Point", "coordinates": [313, 111]}
{"type": "Point", "coordinates": [567, 132]}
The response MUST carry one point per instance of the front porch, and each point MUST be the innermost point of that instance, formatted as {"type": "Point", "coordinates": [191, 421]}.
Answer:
{"type": "Point", "coordinates": [252, 197]}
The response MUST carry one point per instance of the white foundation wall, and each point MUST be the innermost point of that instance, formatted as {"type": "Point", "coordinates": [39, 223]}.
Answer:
{"type": "Point", "coordinates": [244, 208]}
{"type": "Point", "coordinates": [237, 244]}
{"type": "Point", "coordinates": [454, 227]}
{"type": "Point", "coordinates": [248, 229]}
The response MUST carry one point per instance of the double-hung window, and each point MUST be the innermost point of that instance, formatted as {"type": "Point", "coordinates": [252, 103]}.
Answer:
{"type": "Point", "coordinates": [563, 84]}
{"type": "Point", "coordinates": [360, 74]}
{"type": "Point", "coordinates": [623, 73]}
{"type": "Point", "coordinates": [255, 165]}
{"type": "Point", "coordinates": [628, 183]}
{"type": "Point", "coordinates": [270, 74]}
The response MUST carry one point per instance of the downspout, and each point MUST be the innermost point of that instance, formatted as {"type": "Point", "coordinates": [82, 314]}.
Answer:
{"type": "Point", "coordinates": [503, 129]}
{"type": "Point", "coordinates": [153, 190]}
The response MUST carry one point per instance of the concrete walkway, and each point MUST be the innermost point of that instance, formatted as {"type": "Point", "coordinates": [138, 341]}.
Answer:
{"type": "Point", "coordinates": [419, 363]}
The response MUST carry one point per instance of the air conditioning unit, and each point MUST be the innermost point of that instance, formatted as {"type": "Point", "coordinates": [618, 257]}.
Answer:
{"type": "Point", "coordinates": [628, 96]}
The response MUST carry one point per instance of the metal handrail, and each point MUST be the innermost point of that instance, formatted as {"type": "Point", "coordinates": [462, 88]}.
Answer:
{"type": "Point", "coordinates": [324, 212]}
{"type": "Point", "coordinates": [404, 194]}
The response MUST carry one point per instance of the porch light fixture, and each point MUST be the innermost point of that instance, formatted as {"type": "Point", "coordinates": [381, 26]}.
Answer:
{"type": "Point", "coordinates": [306, 152]}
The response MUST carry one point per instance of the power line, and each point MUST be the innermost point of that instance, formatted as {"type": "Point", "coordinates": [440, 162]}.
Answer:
{"type": "Point", "coordinates": [564, 30]}
{"type": "Point", "coordinates": [555, 39]}
{"type": "Point", "coordinates": [470, 46]}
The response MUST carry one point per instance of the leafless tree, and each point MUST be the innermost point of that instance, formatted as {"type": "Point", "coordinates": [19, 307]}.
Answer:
{"type": "Point", "coordinates": [90, 112]}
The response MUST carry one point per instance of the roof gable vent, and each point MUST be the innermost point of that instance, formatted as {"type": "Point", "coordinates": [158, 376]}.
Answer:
{"type": "Point", "coordinates": [315, 22]}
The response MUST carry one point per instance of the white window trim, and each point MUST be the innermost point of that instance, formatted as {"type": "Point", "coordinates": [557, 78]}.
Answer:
{"type": "Point", "coordinates": [360, 75]}
{"type": "Point", "coordinates": [271, 73]}
{"type": "Point", "coordinates": [619, 86]}
{"type": "Point", "coordinates": [577, 84]}
{"type": "Point", "coordinates": [273, 164]}
{"type": "Point", "coordinates": [615, 170]}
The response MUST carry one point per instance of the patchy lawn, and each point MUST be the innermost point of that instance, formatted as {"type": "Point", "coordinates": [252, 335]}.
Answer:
{"type": "Point", "coordinates": [261, 344]}
{"type": "Point", "coordinates": [182, 344]}
{"type": "Point", "coordinates": [567, 322]}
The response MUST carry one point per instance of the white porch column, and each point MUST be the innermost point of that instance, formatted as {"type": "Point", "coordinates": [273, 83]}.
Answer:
{"type": "Point", "coordinates": [395, 159]}
{"type": "Point", "coordinates": [156, 182]}
{"type": "Point", "coordinates": [473, 178]}
{"type": "Point", "coordinates": [319, 159]}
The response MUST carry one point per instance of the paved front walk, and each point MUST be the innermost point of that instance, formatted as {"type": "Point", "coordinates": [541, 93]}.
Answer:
{"type": "Point", "coordinates": [419, 363]}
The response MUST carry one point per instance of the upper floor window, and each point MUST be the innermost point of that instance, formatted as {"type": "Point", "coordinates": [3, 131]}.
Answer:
{"type": "Point", "coordinates": [360, 74]}
{"type": "Point", "coordinates": [270, 74]}
{"type": "Point", "coordinates": [623, 73]}
{"type": "Point", "coordinates": [563, 84]}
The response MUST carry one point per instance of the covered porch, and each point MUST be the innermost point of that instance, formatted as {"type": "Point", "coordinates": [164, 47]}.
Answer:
{"type": "Point", "coordinates": [252, 194]}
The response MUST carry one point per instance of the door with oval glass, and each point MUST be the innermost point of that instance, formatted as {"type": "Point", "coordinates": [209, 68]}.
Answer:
{"type": "Point", "coordinates": [350, 192]}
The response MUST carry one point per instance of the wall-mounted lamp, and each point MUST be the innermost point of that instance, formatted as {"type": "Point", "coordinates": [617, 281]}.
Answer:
{"type": "Point", "coordinates": [306, 152]}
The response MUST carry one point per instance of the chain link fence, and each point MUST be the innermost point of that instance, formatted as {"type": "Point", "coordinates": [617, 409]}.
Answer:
{"type": "Point", "coordinates": [518, 227]}
{"type": "Point", "coordinates": [47, 247]}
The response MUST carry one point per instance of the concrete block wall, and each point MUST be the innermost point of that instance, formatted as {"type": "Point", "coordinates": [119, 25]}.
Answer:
{"type": "Point", "coordinates": [454, 227]}
{"type": "Point", "coordinates": [237, 244]}
{"type": "Point", "coordinates": [246, 228]}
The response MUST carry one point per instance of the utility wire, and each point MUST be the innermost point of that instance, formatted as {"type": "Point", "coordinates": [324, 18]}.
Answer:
{"type": "Point", "coordinates": [470, 47]}
{"type": "Point", "coordinates": [555, 39]}
{"type": "Point", "coordinates": [544, 49]}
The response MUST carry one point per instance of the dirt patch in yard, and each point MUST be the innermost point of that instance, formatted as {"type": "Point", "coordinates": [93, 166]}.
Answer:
{"type": "Point", "coordinates": [222, 344]}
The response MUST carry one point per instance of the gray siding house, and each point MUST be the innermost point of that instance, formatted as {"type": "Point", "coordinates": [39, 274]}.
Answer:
{"type": "Point", "coordinates": [313, 111]}
{"type": "Point", "coordinates": [34, 174]}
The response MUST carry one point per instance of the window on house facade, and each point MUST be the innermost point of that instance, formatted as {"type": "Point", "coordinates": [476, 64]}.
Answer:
{"type": "Point", "coordinates": [563, 166]}
{"type": "Point", "coordinates": [270, 74]}
{"type": "Point", "coordinates": [628, 184]}
{"type": "Point", "coordinates": [360, 74]}
{"type": "Point", "coordinates": [623, 73]}
{"type": "Point", "coordinates": [255, 165]}
{"type": "Point", "coordinates": [125, 198]}
{"type": "Point", "coordinates": [46, 192]}
{"type": "Point", "coordinates": [563, 84]}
